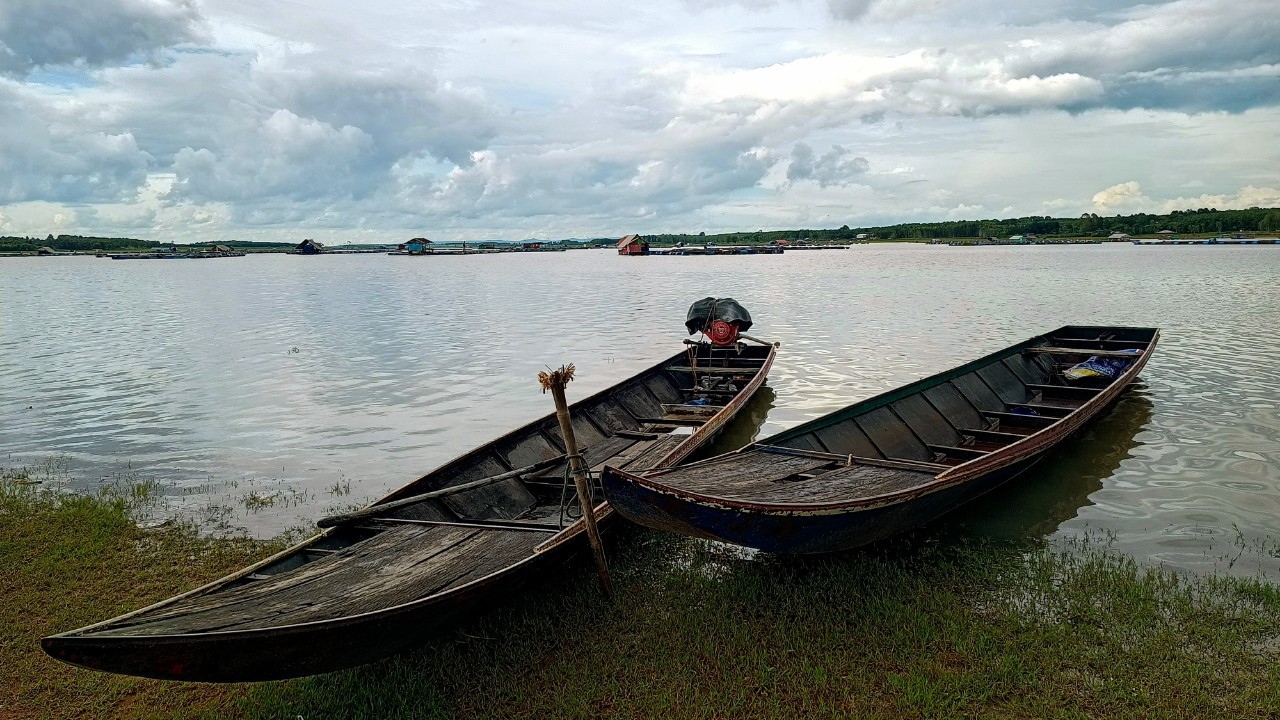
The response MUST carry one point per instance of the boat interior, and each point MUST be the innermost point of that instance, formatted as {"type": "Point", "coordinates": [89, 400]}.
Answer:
{"type": "Point", "coordinates": [484, 511]}
{"type": "Point", "coordinates": [906, 438]}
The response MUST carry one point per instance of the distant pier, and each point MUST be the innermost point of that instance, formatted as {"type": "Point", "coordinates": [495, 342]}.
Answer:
{"type": "Point", "coordinates": [1210, 241]}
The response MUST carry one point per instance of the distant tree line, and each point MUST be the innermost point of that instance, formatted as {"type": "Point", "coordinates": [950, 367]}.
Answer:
{"type": "Point", "coordinates": [89, 243]}
{"type": "Point", "coordinates": [1191, 222]}
{"type": "Point", "coordinates": [1204, 220]}
{"type": "Point", "coordinates": [72, 242]}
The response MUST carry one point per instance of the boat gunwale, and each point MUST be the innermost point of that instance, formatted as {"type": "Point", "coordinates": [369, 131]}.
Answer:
{"type": "Point", "coordinates": [1026, 448]}
{"type": "Point", "coordinates": [86, 634]}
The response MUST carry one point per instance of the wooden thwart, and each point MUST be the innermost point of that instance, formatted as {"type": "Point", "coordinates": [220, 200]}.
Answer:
{"type": "Point", "coordinates": [966, 452]}
{"type": "Point", "coordinates": [993, 435]}
{"type": "Point", "coordinates": [714, 370]}
{"type": "Point", "coordinates": [684, 421]}
{"type": "Point", "coordinates": [1014, 418]}
{"type": "Point", "coordinates": [374, 510]}
{"type": "Point", "coordinates": [479, 524]}
{"type": "Point", "coordinates": [895, 464]}
{"type": "Point", "coordinates": [1081, 351]}
{"type": "Point", "coordinates": [1042, 408]}
{"type": "Point", "coordinates": [1064, 388]}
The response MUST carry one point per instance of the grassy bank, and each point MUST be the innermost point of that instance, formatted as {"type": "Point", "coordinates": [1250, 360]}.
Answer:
{"type": "Point", "coordinates": [69, 560]}
{"type": "Point", "coordinates": [914, 628]}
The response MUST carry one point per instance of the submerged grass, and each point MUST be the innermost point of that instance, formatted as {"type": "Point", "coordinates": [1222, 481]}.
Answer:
{"type": "Point", "coordinates": [909, 629]}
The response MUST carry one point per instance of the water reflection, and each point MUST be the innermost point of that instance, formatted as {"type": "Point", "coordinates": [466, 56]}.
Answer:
{"type": "Point", "coordinates": [744, 428]}
{"type": "Point", "coordinates": [1053, 491]}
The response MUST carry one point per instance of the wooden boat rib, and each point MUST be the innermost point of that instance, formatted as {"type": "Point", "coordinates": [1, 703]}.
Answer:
{"type": "Point", "coordinates": [459, 538]}
{"type": "Point", "coordinates": [892, 462]}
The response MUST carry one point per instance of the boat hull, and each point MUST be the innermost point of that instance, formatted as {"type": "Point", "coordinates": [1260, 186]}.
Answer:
{"type": "Point", "coordinates": [232, 634]}
{"type": "Point", "coordinates": [308, 649]}
{"type": "Point", "coordinates": [893, 462]}
{"type": "Point", "coordinates": [785, 531]}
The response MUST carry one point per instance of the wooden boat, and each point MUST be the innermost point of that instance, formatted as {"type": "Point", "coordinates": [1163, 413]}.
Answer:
{"type": "Point", "coordinates": [892, 462]}
{"type": "Point", "coordinates": [461, 537]}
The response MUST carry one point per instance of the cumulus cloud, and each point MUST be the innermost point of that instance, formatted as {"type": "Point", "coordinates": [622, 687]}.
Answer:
{"type": "Point", "coordinates": [633, 181]}
{"type": "Point", "coordinates": [1195, 55]}
{"type": "Point", "coordinates": [39, 160]}
{"type": "Point", "coordinates": [844, 86]}
{"type": "Point", "coordinates": [1129, 197]}
{"type": "Point", "coordinates": [1125, 197]}
{"type": "Point", "coordinates": [307, 131]}
{"type": "Point", "coordinates": [837, 166]}
{"type": "Point", "coordinates": [742, 110]}
{"type": "Point", "coordinates": [41, 33]}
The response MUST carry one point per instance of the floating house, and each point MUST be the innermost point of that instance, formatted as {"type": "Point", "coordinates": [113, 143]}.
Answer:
{"type": "Point", "coordinates": [1119, 237]}
{"type": "Point", "coordinates": [45, 251]}
{"type": "Point", "coordinates": [419, 246]}
{"type": "Point", "coordinates": [632, 245]}
{"type": "Point", "coordinates": [309, 247]}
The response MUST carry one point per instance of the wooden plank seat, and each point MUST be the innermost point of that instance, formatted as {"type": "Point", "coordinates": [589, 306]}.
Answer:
{"type": "Point", "coordinates": [1010, 420]}
{"type": "Point", "coordinates": [707, 411]}
{"type": "Point", "coordinates": [1046, 409]}
{"type": "Point", "coordinates": [1122, 344]}
{"type": "Point", "coordinates": [993, 436]}
{"type": "Point", "coordinates": [967, 453]}
{"type": "Point", "coordinates": [714, 370]}
{"type": "Point", "coordinates": [1080, 351]}
{"type": "Point", "coordinates": [896, 463]}
{"type": "Point", "coordinates": [1064, 389]}
{"type": "Point", "coordinates": [674, 421]}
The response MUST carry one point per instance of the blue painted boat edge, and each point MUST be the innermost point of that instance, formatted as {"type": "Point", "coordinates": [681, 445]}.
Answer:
{"type": "Point", "coordinates": [792, 533]}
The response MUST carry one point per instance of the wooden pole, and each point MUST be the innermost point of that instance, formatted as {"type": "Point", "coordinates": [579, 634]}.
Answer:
{"type": "Point", "coordinates": [555, 382]}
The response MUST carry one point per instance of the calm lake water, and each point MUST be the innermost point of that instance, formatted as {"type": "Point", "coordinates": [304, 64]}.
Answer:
{"type": "Point", "coordinates": [267, 391]}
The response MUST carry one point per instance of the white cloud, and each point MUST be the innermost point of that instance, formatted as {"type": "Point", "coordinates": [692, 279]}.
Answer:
{"type": "Point", "coordinates": [40, 160]}
{"type": "Point", "coordinates": [1129, 198]}
{"type": "Point", "coordinates": [470, 119]}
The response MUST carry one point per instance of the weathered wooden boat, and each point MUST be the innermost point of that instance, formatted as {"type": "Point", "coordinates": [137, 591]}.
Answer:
{"type": "Point", "coordinates": [410, 565]}
{"type": "Point", "coordinates": [895, 461]}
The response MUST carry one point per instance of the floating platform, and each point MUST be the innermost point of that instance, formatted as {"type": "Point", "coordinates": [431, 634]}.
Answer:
{"type": "Point", "coordinates": [987, 243]}
{"type": "Point", "coordinates": [445, 251]}
{"type": "Point", "coordinates": [1212, 241]}
{"type": "Point", "coordinates": [175, 256]}
{"type": "Point", "coordinates": [720, 250]}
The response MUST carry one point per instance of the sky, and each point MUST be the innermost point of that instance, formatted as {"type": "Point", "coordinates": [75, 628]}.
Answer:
{"type": "Point", "coordinates": [199, 120]}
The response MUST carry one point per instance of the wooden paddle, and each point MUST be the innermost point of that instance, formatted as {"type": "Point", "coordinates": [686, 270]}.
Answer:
{"type": "Point", "coordinates": [374, 510]}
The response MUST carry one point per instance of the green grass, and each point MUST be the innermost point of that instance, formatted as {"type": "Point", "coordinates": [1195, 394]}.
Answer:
{"type": "Point", "coordinates": [68, 560]}
{"type": "Point", "coordinates": [916, 628]}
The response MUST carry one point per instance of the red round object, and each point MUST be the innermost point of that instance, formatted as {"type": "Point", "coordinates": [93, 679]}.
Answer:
{"type": "Point", "coordinates": [722, 333]}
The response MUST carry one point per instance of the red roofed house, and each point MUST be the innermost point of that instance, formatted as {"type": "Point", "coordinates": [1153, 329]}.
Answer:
{"type": "Point", "coordinates": [632, 245]}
